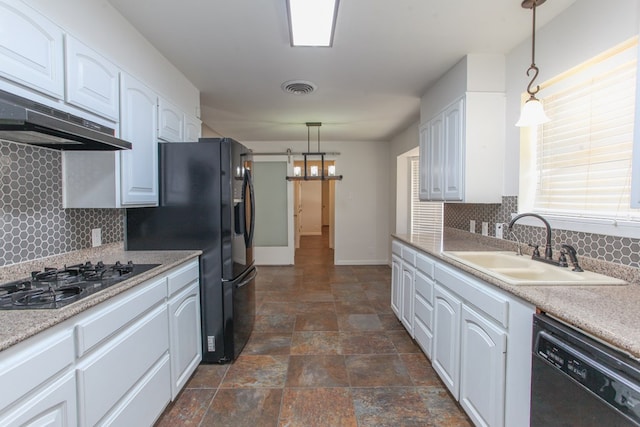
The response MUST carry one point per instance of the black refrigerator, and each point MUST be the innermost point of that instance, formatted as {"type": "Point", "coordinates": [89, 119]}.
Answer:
{"type": "Point", "coordinates": [206, 202]}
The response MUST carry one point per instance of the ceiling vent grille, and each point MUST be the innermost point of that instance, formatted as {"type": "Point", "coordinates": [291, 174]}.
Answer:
{"type": "Point", "coordinates": [298, 87]}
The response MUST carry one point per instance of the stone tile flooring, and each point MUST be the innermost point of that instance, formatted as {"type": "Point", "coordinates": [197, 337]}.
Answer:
{"type": "Point", "coordinates": [326, 350]}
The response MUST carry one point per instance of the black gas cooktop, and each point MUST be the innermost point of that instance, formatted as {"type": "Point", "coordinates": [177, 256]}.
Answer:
{"type": "Point", "coordinates": [58, 287]}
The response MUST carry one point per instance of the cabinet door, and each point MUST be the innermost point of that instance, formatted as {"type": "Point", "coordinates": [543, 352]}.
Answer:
{"type": "Point", "coordinates": [139, 166]}
{"type": "Point", "coordinates": [482, 371]}
{"type": "Point", "coordinates": [53, 405]}
{"type": "Point", "coordinates": [408, 295]}
{"type": "Point", "coordinates": [446, 339]}
{"type": "Point", "coordinates": [31, 50]}
{"type": "Point", "coordinates": [453, 168]}
{"type": "Point", "coordinates": [396, 283]}
{"type": "Point", "coordinates": [91, 80]}
{"type": "Point", "coordinates": [184, 336]}
{"type": "Point", "coordinates": [192, 129]}
{"type": "Point", "coordinates": [170, 122]}
{"type": "Point", "coordinates": [424, 162]}
{"type": "Point", "coordinates": [435, 159]}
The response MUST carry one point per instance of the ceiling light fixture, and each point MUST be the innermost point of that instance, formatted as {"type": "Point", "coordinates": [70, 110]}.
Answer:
{"type": "Point", "coordinates": [311, 174]}
{"type": "Point", "coordinates": [312, 22]}
{"type": "Point", "coordinates": [532, 113]}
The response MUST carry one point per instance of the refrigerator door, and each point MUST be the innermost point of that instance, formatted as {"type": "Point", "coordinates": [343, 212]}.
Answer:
{"type": "Point", "coordinates": [237, 210]}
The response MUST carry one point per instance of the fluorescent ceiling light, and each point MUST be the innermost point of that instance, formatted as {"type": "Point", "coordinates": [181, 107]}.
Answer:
{"type": "Point", "coordinates": [312, 22]}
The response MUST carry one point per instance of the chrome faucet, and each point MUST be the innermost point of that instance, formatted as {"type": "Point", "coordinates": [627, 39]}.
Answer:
{"type": "Point", "coordinates": [548, 252]}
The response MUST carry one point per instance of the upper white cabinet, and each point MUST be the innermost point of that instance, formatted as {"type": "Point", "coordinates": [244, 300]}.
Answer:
{"type": "Point", "coordinates": [139, 168]}
{"type": "Point", "coordinates": [91, 80]}
{"type": "Point", "coordinates": [462, 151]}
{"type": "Point", "coordinates": [127, 178]}
{"type": "Point", "coordinates": [192, 128]}
{"type": "Point", "coordinates": [170, 122]}
{"type": "Point", "coordinates": [462, 133]}
{"type": "Point", "coordinates": [31, 49]}
{"type": "Point", "coordinates": [176, 126]}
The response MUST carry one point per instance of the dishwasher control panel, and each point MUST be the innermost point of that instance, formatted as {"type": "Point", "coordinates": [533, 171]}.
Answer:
{"type": "Point", "coordinates": [593, 368]}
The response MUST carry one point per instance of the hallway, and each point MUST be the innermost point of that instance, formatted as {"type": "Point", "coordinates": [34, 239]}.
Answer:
{"type": "Point", "coordinates": [326, 351]}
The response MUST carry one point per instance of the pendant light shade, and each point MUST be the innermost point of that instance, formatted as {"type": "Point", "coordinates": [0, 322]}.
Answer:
{"type": "Point", "coordinates": [532, 113]}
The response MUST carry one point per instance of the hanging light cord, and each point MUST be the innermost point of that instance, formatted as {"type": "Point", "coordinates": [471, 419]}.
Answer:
{"type": "Point", "coordinates": [533, 66]}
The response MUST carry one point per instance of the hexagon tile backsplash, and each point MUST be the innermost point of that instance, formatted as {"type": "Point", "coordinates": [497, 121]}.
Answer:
{"type": "Point", "coordinates": [33, 223]}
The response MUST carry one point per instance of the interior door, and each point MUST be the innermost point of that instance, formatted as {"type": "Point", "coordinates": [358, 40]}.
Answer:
{"type": "Point", "coordinates": [273, 238]}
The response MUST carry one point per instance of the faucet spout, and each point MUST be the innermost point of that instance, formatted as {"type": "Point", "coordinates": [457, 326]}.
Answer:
{"type": "Point", "coordinates": [548, 252]}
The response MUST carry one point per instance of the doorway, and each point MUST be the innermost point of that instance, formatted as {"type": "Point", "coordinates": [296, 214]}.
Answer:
{"type": "Point", "coordinates": [314, 210]}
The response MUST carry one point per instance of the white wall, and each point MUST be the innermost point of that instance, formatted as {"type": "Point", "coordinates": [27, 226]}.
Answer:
{"type": "Point", "coordinates": [361, 199]}
{"type": "Point", "coordinates": [398, 189]}
{"type": "Point", "coordinates": [584, 29]}
{"type": "Point", "coordinates": [97, 24]}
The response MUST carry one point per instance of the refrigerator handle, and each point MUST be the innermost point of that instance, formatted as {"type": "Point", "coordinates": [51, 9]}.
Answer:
{"type": "Point", "coordinates": [248, 279]}
{"type": "Point", "coordinates": [248, 231]}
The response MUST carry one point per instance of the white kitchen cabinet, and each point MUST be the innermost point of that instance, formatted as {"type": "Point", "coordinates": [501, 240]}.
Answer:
{"type": "Point", "coordinates": [442, 138]}
{"type": "Point", "coordinates": [38, 382]}
{"type": "Point", "coordinates": [54, 405]}
{"type": "Point", "coordinates": [396, 277]}
{"type": "Point", "coordinates": [462, 150]}
{"type": "Point", "coordinates": [92, 81]}
{"type": "Point", "coordinates": [126, 178]}
{"type": "Point", "coordinates": [408, 273]}
{"type": "Point", "coordinates": [192, 128]}
{"type": "Point", "coordinates": [139, 166]}
{"type": "Point", "coordinates": [184, 325]}
{"type": "Point", "coordinates": [446, 338]}
{"type": "Point", "coordinates": [482, 369]}
{"type": "Point", "coordinates": [171, 122]}
{"type": "Point", "coordinates": [31, 49]}
{"type": "Point", "coordinates": [423, 304]}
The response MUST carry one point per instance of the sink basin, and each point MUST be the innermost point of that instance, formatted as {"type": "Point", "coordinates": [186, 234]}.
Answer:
{"type": "Point", "coordinates": [522, 270]}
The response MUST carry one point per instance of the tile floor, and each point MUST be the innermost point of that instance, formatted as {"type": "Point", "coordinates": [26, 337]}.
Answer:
{"type": "Point", "coordinates": [326, 350]}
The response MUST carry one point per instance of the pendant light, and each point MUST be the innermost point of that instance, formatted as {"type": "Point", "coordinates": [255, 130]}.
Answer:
{"type": "Point", "coordinates": [532, 113]}
{"type": "Point", "coordinates": [314, 173]}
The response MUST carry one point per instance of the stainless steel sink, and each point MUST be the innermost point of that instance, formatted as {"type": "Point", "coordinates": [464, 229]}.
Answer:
{"type": "Point", "coordinates": [521, 270]}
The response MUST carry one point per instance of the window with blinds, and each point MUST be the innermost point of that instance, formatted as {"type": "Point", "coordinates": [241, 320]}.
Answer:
{"type": "Point", "coordinates": [425, 217]}
{"type": "Point", "coordinates": [584, 154]}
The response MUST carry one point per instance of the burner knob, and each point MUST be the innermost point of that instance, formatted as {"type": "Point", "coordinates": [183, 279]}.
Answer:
{"type": "Point", "coordinates": [100, 264]}
{"type": "Point", "coordinates": [130, 262]}
{"type": "Point", "coordinates": [34, 274]}
{"type": "Point", "coordinates": [117, 264]}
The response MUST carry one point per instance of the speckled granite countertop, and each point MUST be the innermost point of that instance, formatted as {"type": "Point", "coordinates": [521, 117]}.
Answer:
{"type": "Point", "coordinates": [18, 325]}
{"type": "Point", "coordinates": [609, 313]}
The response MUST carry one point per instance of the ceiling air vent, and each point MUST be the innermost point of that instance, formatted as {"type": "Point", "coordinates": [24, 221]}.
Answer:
{"type": "Point", "coordinates": [298, 87]}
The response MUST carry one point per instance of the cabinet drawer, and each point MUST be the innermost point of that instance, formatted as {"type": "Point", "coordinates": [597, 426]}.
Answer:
{"type": "Point", "coordinates": [32, 362]}
{"type": "Point", "coordinates": [396, 248]}
{"type": "Point", "coordinates": [424, 312]}
{"type": "Point", "coordinates": [424, 337]}
{"type": "Point", "coordinates": [480, 295]}
{"type": "Point", "coordinates": [105, 320]}
{"type": "Point", "coordinates": [148, 398]}
{"type": "Point", "coordinates": [425, 264]}
{"type": "Point", "coordinates": [118, 366]}
{"type": "Point", "coordinates": [409, 255]}
{"type": "Point", "coordinates": [424, 287]}
{"type": "Point", "coordinates": [183, 276]}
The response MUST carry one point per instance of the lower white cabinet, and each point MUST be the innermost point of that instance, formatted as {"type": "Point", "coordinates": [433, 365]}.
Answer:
{"type": "Point", "coordinates": [477, 336]}
{"type": "Point", "coordinates": [118, 363]}
{"type": "Point", "coordinates": [396, 282]}
{"type": "Point", "coordinates": [184, 325]}
{"type": "Point", "coordinates": [482, 369]}
{"type": "Point", "coordinates": [408, 295]}
{"type": "Point", "coordinates": [446, 343]}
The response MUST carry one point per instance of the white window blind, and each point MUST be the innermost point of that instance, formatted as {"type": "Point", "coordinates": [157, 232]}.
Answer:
{"type": "Point", "coordinates": [583, 155]}
{"type": "Point", "coordinates": [425, 217]}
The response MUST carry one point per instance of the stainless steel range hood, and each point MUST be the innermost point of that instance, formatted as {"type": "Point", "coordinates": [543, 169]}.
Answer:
{"type": "Point", "coordinates": [29, 122]}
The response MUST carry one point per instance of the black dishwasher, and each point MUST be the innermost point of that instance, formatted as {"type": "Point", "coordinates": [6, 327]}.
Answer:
{"type": "Point", "coordinates": [578, 381]}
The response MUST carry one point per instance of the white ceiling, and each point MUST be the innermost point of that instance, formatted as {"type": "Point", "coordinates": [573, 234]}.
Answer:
{"type": "Point", "coordinates": [384, 56]}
